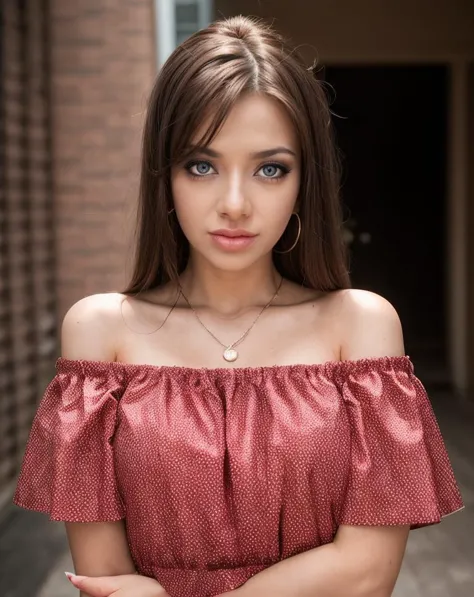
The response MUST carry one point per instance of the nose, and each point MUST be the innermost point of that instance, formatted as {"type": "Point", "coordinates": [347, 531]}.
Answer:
{"type": "Point", "coordinates": [234, 202]}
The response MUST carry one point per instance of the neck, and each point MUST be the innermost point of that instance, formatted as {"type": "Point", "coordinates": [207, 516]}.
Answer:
{"type": "Point", "coordinates": [229, 294]}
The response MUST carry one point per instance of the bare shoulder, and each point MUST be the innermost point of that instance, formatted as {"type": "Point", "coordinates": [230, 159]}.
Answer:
{"type": "Point", "coordinates": [368, 324]}
{"type": "Point", "coordinates": [89, 327]}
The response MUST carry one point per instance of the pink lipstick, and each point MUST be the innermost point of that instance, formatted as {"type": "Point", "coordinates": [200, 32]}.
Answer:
{"type": "Point", "coordinates": [232, 240]}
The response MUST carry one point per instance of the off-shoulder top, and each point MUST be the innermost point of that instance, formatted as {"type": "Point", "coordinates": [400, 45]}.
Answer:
{"type": "Point", "coordinates": [220, 473]}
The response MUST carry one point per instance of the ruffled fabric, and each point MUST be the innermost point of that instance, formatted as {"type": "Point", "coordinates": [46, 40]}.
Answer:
{"type": "Point", "coordinates": [400, 471]}
{"type": "Point", "coordinates": [68, 466]}
{"type": "Point", "coordinates": [223, 472]}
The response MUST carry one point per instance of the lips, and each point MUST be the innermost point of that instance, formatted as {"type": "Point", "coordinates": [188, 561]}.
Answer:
{"type": "Point", "coordinates": [232, 233]}
{"type": "Point", "coordinates": [232, 240]}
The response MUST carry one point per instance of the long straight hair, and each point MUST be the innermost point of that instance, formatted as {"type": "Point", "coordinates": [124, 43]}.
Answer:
{"type": "Point", "coordinates": [207, 73]}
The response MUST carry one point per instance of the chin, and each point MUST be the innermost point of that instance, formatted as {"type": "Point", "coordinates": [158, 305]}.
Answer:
{"type": "Point", "coordinates": [233, 262]}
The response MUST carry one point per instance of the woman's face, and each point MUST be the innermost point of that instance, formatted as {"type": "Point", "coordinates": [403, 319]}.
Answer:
{"type": "Point", "coordinates": [234, 198]}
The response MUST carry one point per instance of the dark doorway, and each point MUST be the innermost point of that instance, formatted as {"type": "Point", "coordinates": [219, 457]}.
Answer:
{"type": "Point", "coordinates": [391, 128]}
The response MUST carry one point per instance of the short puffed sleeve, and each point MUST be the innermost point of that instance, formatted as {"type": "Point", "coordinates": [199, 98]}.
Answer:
{"type": "Point", "coordinates": [68, 465]}
{"type": "Point", "coordinates": [400, 472]}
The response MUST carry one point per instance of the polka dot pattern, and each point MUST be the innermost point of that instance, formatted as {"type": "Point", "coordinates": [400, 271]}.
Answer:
{"type": "Point", "coordinates": [220, 473]}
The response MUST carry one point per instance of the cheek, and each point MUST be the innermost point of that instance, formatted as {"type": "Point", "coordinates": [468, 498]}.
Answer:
{"type": "Point", "coordinates": [190, 205]}
{"type": "Point", "coordinates": [276, 212]}
{"type": "Point", "coordinates": [276, 222]}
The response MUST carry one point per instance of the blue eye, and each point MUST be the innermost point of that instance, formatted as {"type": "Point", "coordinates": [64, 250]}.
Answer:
{"type": "Point", "coordinates": [199, 168]}
{"type": "Point", "coordinates": [270, 170]}
{"type": "Point", "coordinates": [274, 171]}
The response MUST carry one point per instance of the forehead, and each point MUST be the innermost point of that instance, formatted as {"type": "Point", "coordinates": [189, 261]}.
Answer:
{"type": "Point", "coordinates": [255, 122]}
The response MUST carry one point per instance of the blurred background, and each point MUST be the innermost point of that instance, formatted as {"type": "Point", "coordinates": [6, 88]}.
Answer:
{"type": "Point", "coordinates": [74, 79]}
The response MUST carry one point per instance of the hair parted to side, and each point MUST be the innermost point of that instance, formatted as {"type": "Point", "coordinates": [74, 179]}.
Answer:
{"type": "Point", "coordinates": [209, 72]}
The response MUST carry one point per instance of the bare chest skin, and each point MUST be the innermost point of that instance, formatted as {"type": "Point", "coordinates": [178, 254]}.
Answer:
{"type": "Point", "coordinates": [301, 329]}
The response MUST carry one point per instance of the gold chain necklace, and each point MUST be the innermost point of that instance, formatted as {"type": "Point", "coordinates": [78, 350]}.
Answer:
{"type": "Point", "coordinates": [230, 354]}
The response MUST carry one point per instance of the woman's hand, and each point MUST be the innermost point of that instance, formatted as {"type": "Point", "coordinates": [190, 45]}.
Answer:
{"type": "Point", "coordinates": [124, 585]}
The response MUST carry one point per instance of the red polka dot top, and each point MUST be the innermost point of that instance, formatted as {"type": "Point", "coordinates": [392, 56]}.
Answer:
{"type": "Point", "coordinates": [221, 473]}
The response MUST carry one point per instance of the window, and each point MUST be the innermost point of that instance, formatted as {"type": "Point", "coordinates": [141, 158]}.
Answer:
{"type": "Point", "coordinates": [176, 20]}
{"type": "Point", "coordinates": [191, 15]}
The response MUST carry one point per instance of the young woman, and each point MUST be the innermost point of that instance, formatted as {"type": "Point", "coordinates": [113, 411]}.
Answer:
{"type": "Point", "coordinates": [238, 421]}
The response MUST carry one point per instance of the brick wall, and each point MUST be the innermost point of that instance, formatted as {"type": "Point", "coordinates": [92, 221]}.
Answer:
{"type": "Point", "coordinates": [102, 68]}
{"type": "Point", "coordinates": [27, 286]}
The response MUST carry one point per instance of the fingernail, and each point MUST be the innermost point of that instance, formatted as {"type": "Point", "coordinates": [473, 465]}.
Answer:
{"type": "Point", "coordinates": [73, 577]}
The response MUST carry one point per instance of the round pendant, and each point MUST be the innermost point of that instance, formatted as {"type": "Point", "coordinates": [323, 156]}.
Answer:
{"type": "Point", "coordinates": [230, 355]}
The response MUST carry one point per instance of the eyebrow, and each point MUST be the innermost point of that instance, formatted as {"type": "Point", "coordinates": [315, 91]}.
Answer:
{"type": "Point", "coordinates": [259, 154]}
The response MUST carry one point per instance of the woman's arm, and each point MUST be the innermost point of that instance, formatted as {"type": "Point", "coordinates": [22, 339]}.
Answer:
{"type": "Point", "coordinates": [88, 332]}
{"type": "Point", "coordinates": [99, 549]}
{"type": "Point", "coordinates": [361, 562]}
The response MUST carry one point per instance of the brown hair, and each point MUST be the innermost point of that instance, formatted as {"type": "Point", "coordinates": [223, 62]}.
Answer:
{"type": "Point", "coordinates": [210, 71]}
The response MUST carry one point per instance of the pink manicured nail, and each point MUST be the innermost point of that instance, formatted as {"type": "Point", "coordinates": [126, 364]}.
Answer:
{"type": "Point", "coordinates": [74, 577]}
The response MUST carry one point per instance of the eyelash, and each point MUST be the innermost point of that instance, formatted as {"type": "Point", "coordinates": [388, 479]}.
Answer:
{"type": "Point", "coordinates": [283, 169]}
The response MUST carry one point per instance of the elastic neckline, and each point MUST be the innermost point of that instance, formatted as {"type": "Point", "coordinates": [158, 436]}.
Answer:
{"type": "Point", "coordinates": [369, 363]}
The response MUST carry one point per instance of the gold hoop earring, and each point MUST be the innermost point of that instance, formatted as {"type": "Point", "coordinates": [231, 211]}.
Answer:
{"type": "Point", "coordinates": [297, 236]}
